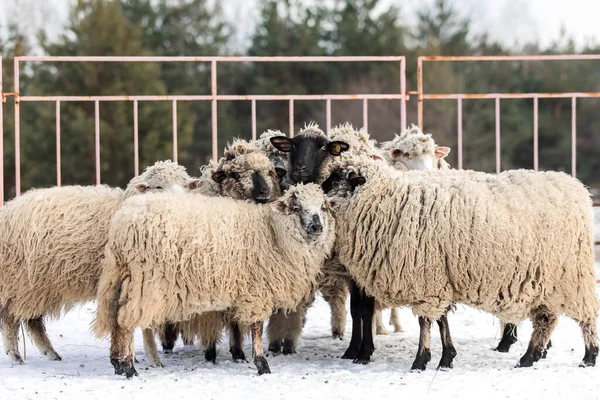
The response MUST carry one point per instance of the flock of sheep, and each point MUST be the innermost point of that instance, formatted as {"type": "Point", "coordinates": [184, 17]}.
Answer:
{"type": "Point", "coordinates": [278, 219]}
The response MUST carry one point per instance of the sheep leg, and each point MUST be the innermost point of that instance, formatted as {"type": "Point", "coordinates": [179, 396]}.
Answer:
{"type": "Point", "coordinates": [168, 336]}
{"type": "Point", "coordinates": [423, 353]}
{"type": "Point", "coordinates": [150, 347]}
{"type": "Point", "coordinates": [543, 324]}
{"type": "Point", "coordinates": [395, 321]}
{"type": "Point", "coordinates": [509, 337]}
{"type": "Point", "coordinates": [448, 350]}
{"type": "Point", "coordinates": [236, 338]}
{"type": "Point", "coordinates": [257, 349]}
{"type": "Point", "coordinates": [590, 338]}
{"type": "Point", "coordinates": [379, 326]}
{"type": "Point", "coordinates": [121, 351]}
{"type": "Point", "coordinates": [337, 303]}
{"type": "Point", "coordinates": [545, 353]}
{"type": "Point", "coordinates": [367, 309]}
{"type": "Point", "coordinates": [37, 330]}
{"type": "Point", "coordinates": [10, 337]}
{"type": "Point", "coordinates": [275, 331]}
{"type": "Point", "coordinates": [356, 339]}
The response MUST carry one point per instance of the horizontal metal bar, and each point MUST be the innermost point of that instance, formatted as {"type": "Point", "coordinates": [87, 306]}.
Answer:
{"type": "Point", "coordinates": [258, 97]}
{"type": "Point", "coordinates": [454, 96]}
{"type": "Point", "coordinates": [208, 59]}
{"type": "Point", "coordinates": [513, 58]}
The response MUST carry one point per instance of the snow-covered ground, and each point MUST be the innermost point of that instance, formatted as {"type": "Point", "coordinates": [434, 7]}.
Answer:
{"type": "Point", "coordinates": [316, 371]}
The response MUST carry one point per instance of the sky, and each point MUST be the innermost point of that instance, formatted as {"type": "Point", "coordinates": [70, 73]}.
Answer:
{"type": "Point", "coordinates": [513, 22]}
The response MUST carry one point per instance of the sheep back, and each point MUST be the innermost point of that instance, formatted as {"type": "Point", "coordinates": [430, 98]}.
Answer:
{"type": "Point", "coordinates": [503, 243]}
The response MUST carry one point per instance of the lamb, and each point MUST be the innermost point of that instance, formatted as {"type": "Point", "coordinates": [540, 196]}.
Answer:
{"type": "Point", "coordinates": [429, 240]}
{"type": "Point", "coordinates": [210, 254]}
{"type": "Point", "coordinates": [243, 173]}
{"type": "Point", "coordinates": [51, 246]}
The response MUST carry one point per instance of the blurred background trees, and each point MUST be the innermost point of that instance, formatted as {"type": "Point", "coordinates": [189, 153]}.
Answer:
{"type": "Point", "coordinates": [283, 27]}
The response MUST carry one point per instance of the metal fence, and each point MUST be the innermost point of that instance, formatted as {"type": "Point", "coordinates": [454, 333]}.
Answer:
{"type": "Point", "coordinates": [214, 98]}
{"type": "Point", "coordinates": [401, 94]}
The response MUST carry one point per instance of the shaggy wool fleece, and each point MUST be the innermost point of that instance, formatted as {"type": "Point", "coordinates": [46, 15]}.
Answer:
{"type": "Point", "coordinates": [52, 241]}
{"type": "Point", "coordinates": [170, 257]}
{"type": "Point", "coordinates": [505, 243]}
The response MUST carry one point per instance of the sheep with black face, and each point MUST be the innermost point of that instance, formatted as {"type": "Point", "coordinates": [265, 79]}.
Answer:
{"type": "Point", "coordinates": [310, 152]}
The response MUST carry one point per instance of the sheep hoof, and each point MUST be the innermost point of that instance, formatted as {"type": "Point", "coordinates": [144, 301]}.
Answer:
{"type": "Point", "coordinates": [447, 358]}
{"type": "Point", "coordinates": [261, 365]}
{"type": "Point", "coordinates": [380, 330]}
{"type": "Point", "coordinates": [275, 347]}
{"type": "Point", "coordinates": [362, 360]}
{"type": "Point", "coordinates": [237, 354]}
{"type": "Point", "coordinates": [188, 342]}
{"type": "Point", "coordinates": [545, 353]}
{"type": "Point", "coordinates": [421, 360]}
{"type": "Point", "coordinates": [210, 355]}
{"type": "Point", "coordinates": [350, 354]}
{"type": "Point", "coordinates": [338, 335]}
{"type": "Point", "coordinates": [589, 359]}
{"type": "Point", "coordinates": [17, 360]}
{"type": "Point", "coordinates": [123, 367]}
{"type": "Point", "coordinates": [288, 347]}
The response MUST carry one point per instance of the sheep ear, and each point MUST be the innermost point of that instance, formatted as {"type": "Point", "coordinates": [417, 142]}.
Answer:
{"type": "Point", "coordinates": [218, 176]}
{"type": "Point", "coordinates": [193, 184]}
{"type": "Point", "coordinates": [280, 169]}
{"type": "Point", "coordinates": [333, 203]}
{"type": "Point", "coordinates": [376, 157]}
{"type": "Point", "coordinates": [356, 179]}
{"type": "Point", "coordinates": [337, 147]}
{"type": "Point", "coordinates": [282, 143]}
{"type": "Point", "coordinates": [142, 187]}
{"type": "Point", "coordinates": [279, 205]}
{"type": "Point", "coordinates": [395, 154]}
{"type": "Point", "coordinates": [441, 152]}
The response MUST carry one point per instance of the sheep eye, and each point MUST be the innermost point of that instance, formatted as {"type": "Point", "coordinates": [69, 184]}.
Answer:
{"type": "Point", "coordinates": [158, 187]}
{"type": "Point", "coordinates": [296, 208]}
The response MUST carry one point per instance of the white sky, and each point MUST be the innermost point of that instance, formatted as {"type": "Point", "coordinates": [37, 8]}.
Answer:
{"type": "Point", "coordinates": [510, 21]}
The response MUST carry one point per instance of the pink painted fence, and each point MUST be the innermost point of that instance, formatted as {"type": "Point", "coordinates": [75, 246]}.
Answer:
{"type": "Point", "coordinates": [214, 97]}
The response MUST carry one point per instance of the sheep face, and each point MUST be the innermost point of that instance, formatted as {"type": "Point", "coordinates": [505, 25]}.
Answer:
{"type": "Point", "coordinates": [248, 176]}
{"type": "Point", "coordinates": [312, 210]}
{"type": "Point", "coordinates": [162, 176]}
{"type": "Point", "coordinates": [307, 153]}
{"type": "Point", "coordinates": [342, 182]}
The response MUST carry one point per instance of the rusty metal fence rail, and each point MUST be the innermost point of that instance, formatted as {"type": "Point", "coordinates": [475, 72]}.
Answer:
{"type": "Point", "coordinates": [422, 96]}
{"type": "Point", "coordinates": [214, 98]}
{"type": "Point", "coordinates": [401, 94]}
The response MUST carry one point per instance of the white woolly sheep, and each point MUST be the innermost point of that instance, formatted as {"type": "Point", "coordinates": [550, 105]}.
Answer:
{"type": "Point", "coordinates": [431, 239]}
{"type": "Point", "coordinates": [243, 173]}
{"type": "Point", "coordinates": [51, 246]}
{"type": "Point", "coordinates": [209, 254]}
{"type": "Point", "coordinates": [411, 150]}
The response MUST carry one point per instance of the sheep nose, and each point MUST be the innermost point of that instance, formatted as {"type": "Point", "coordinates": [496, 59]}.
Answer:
{"type": "Point", "coordinates": [264, 190]}
{"type": "Point", "coordinates": [315, 227]}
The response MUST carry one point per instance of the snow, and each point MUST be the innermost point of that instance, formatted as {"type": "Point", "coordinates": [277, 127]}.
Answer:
{"type": "Point", "coordinates": [316, 371]}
